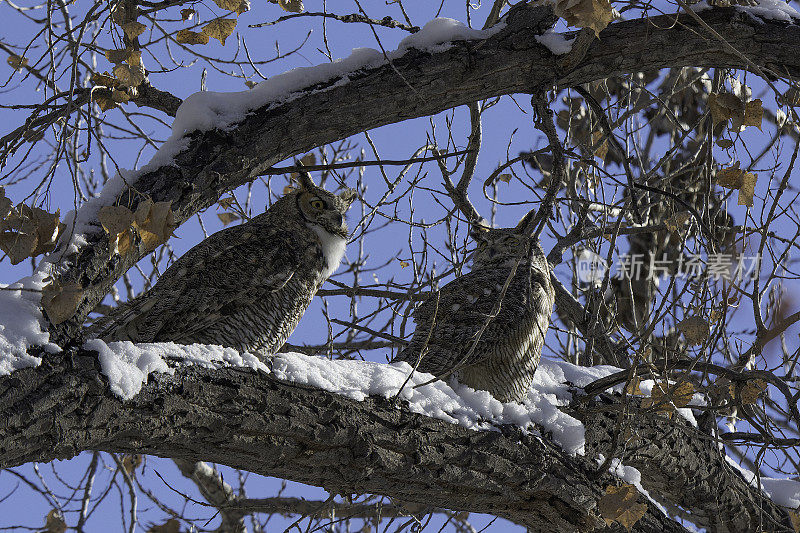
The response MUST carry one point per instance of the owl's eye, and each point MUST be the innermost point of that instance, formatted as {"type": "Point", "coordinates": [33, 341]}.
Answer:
{"type": "Point", "coordinates": [316, 203]}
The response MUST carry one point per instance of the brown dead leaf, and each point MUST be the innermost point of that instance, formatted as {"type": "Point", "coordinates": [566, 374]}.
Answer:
{"type": "Point", "coordinates": [602, 150]}
{"type": "Point", "coordinates": [287, 189]}
{"type": "Point", "coordinates": [747, 189]}
{"type": "Point", "coordinates": [404, 264]}
{"type": "Point", "coordinates": [725, 106]}
{"type": "Point", "coordinates": [695, 329]}
{"type": "Point", "coordinates": [227, 218]}
{"type": "Point", "coordinates": [170, 526]}
{"type": "Point", "coordinates": [666, 397]}
{"type": "Point", "coordinates": [120, 97]}
{"type": "Point", "coordinates": [118, 56]}
{"type": "Point", "coordinates": [724, 143]}
{"type": "Point", "coordinates": [105, 101]}
{"type": "Point", "coordinates": [17, 62]}
{"type": "Point", "coordinates": [292, 6]}
{"type": "Point", "coordinates": [593, 14]}
{"type": "Point", "coordinates": [155, 222]}
{"type": "Point", "coordinates": [230, 5]}
{"type": "Point", "coordinates": [227, 202]}
{"type": "Point", "coordinates": [54, 522]}
{"type": "Point", "coordinates": [753, 113]}
{"type": "Point", "coordinates": [791, 97]}
{"type": "Point", "coordinates": [220, 29]}
{"type": "Point", "coordinates": [188, 14]}
{"type": "Point", "coordinates": [115, 219]}
{"type": "Point", "coordinates": [618, 504]}
{"type": "Point", "coordinates": [133, 29]}
{"type": "Point", "coordinates": [794, 516]}
{"type": "Point", "coordinates": [129, 75]}
{"type": "Point", "coordinates": [751, 390]}
{"type": "Point", "coordinates": [505, 178]}
{"type": "Point", "coordinates": [5, 205]}
{"type": "Point", "coordinates": [250, 84]}
{"type": "Point", "coordinates": [131, 462]}
{"type": "Point", "coordinates": [191, 37]}
{"type": "Point", "coordinates": [677, 222]}
{"type": "Point", "coordinates": [61, 302]}
{"type": "Point", "coordinates": [104, 80]}
{"type": "Point", "coordinates": [632, 387]}
{"type": "Point", "coordinates": [27, 232]}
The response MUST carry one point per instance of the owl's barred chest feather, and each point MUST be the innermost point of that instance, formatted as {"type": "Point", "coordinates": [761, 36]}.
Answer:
{"type": "Point", "coordinates": [246, 286]}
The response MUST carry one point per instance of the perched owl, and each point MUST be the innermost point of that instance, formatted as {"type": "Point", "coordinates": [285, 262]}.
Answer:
{"type": "Point", "coordinates": [507, 353]}
{"type": "Point", "coordinates": [246, 286]}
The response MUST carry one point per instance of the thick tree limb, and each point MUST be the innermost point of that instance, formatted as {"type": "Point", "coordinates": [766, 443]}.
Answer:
{"type": "Point", "coordinates": [511, 61]}
{"type": "Point", "coordinates": [253, 421]}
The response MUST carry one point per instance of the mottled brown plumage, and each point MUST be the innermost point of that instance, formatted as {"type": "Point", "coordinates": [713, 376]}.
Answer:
{"type": "Point", "coordinates": [507, 351]}
{"type": "Point", "coordinates": [246, 286]}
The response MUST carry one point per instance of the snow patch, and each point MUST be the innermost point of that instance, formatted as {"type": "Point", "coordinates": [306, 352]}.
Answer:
{"type": "Point", "coordinates": [555, 42]}
{"type": "Point", "coordinates": [630, 475]}
{"type": "Point", "coordinates": [127, 365]}
{"type": "Point", "coordinates": [21, 324]}
{"type": "Point", "coordinates": [452, 402]}
{"type": "Point", "coordinates": [784, 492]}
{"type": "Point", "coordinates": [772, 10]}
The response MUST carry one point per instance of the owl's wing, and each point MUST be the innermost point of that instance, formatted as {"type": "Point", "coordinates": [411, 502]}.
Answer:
{"type": "Point", "coordinates": [446, 329]}
{"type": "Point", "coordinates": [231, 269]}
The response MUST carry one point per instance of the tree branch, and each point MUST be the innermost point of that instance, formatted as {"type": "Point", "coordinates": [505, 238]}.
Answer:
{"type": "Point", "coordinates": [245, 419]}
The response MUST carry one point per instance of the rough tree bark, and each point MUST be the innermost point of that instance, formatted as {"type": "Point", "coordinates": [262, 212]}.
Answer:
{"type": "Point", "coordinates": [253, 421]}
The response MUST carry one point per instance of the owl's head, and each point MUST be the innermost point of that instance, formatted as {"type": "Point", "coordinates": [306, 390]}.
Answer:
{"type": "Point", "coordinates": [322, 208]}
{"type": "Point", "coordinates": [503, 246]}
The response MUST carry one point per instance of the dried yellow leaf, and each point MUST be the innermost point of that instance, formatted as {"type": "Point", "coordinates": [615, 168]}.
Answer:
{"type": "Point", "coordinates": [618, 504]}
{"type": "Point", "coordinates": [188, 14]}
{"type": "Point", "coordinates": [118, 56]}
{"type": "Point", "coordinates": [104, 80]}
{"type": "Point", "coordinates": [751, 390]}
{"type": "Point", "coordinates": [131, 462]}
{"type": "Point", "coordinates": [747, 189]}
{"type": "Point", "coordinates": [115, 219]}
{"type": "Point", "coordinates": [794, 516]}
{"type": "Point", "coordinates": [129, 75]}
{"type": "Point", "coordinates": [220, 29]}
{"type": "Point", "coordinates": [602, 150]}
{"type": "Point", "coordinates": [505, 178]}
{"type": "Point", "coordinates": [695, 329]}
{"type": "Point", "coordinates": [133, 29]}
{"type": "Point", "coordinates": [293, 6]}
{"type": "Point", "coordinates": [753, 113]}
{"type": "Point", "coordinates": [593, 14]}
{"type": "Point", "coordinates": [724, 143]}
{"type": "Point", "coordinates": [61, 302]}
{"type": "Point", "coordinates": [54, 522]}
{"type": "Point", "coordinates": [730, 178]}
{"type": "Point", "coordinates": [105, 101]}
{"type": "Point", "coordinates": [227, 218]}
{"type": "Point", "coordinates": [227, 202]}
{"type": "Point", "coordinates": [666, 397]}
{"type": "Point", "coordinates": [191, 37]}
{"type": "Point", "coordinates": [725, 106]}
{"type": "Point", "coordinates": [17, 62]}
{"type": "Point", "coordinates": [404, 264]}
{"type": "Point", "coordinates": [250, 84]}
{"type": "Point", "coordinates": [120, 97]}
{"type": "Point", "coordinates": [230, 5]}
{"type": "Point", "coordinates": [154, 222]}
{"type": "Point", "coordinates": [632, 387]}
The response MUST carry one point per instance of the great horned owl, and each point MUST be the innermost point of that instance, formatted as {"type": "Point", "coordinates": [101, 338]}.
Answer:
{"type": "Point", "coordinates": [246, 286]}
{"type": "Point", "coordinates": [508, 350]}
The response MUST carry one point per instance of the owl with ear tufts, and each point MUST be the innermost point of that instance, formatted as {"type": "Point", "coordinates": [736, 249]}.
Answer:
{"type": "Point", "coordinates": [459, 335]}
{"type": "Point", "coordinates": [245, 286]}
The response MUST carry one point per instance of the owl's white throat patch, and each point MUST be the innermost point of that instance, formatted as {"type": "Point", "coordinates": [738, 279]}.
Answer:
{"type": "Point", "coordinates": [333, 247]}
